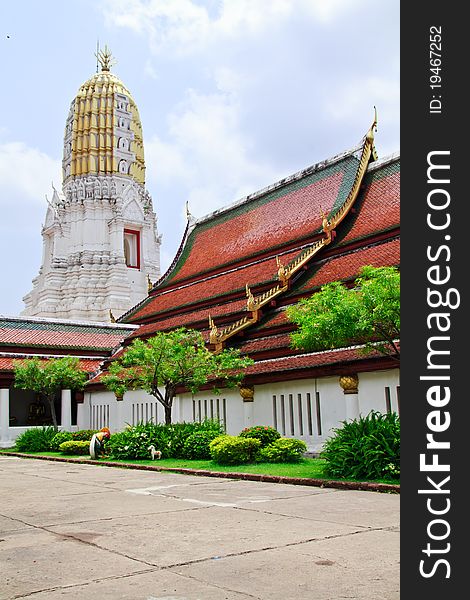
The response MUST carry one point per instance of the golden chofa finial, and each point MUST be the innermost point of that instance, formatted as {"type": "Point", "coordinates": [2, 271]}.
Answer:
{"type": "Point", "coordinates": [251, 302]}
{"type": "Point", "coordinates": [111, 316]}
{"type": "Point", "coordinates": [149, 284]}
{"type": "Point", "coordinates": [105, 58]}
{"type": "Point", "coordinates": [214, 332]}
{"type": "Point", "coordinates": [373, 127]}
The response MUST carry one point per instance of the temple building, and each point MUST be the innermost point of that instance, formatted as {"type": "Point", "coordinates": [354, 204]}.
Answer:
{"type": "Point", "coordinates": [233, 276]}
{"type": "Point", "coordinates": [238, 269]}
{"type": "Point", "coordinates": [101, 246]}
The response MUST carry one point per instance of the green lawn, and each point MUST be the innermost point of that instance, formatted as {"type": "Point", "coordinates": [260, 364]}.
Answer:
{"type": "Point", "coordinates": [309, 468]}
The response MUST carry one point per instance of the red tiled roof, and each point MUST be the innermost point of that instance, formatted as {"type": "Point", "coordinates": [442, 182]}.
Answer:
{"type": "Point", "coordinates": [348, 265]}
{"type": "Point", "coordinates": [379, 204]}
{"type": "Point", "coordinates": [190, 319]}
{"type": "Point", "coordinates": [308, 361]}
{"type": "Point", "coordinates": [34, 333]}
{"type": "Point", "coordinates": [212, 288]}
{"type": "Point", "coordinates": [86, 364]}
{"type": "Point", "coordinates": [291, 210]}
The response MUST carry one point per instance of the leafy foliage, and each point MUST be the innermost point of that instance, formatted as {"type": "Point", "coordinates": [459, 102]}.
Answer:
{"type": "Point", "coordinates": [283, 450]}
{"type": "Point", "coordinates": [369, 314]}
{"type": "Point", "coordinates": [35, 439]}
{"type": "Point", "coordinates": [265, 434]}
{"type": "Point", "coordinates": [196, 446]}
{"type": "Point", "coordinates": [47, 377]}
{"type": "Point", "coordinates": [60, 436]}
{"type": "Point", "coordinates": [170, 360]}
{"type": "Point", "coordinates": [171, 439]}
{"type": "Point", "coordinates": [234, 450]}
{"type": "Point", "coordinates": [368, 448]}
{"type": "Point", "coordinates": [75, 447]}
{"type": "Point", "coordinates": [83, 435]}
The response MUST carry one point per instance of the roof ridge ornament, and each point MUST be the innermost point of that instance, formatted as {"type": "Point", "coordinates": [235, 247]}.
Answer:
{"type": "Point", "coordinates": [373, 127]}
{"type": "Point", "coordinates": [105, 59]}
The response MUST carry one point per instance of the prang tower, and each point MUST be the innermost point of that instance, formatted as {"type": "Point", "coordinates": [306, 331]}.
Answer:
{"type": "Point", "coordinates": [101, 246]}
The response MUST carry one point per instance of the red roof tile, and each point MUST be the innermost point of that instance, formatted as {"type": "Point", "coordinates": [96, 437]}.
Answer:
{"type": "Point", "coordinates": [379, 205]}
{"type": "Point", "coordinates": [34, 333]}
{"type": "Point", "coordinates": [291, 211]}
{"type": "Point", "coordinates": [212, 288]}
{"type": "Point", "coordinates": [348, 265]}
{"type": "Point", "coordinates": [86, 364]}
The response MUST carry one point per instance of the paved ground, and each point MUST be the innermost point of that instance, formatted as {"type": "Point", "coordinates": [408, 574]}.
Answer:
{"type": "Point", "coordinates": [74, 531]}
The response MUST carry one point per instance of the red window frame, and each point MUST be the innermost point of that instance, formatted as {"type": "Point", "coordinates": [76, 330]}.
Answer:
{"type": "Point", "coordinates": [136, 233]}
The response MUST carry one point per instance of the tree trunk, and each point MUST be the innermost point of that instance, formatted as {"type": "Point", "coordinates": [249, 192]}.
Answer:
{"type": "Point", "coordinates": [51, 399]}
{"type": "Point", "coordinates": [168, 415]}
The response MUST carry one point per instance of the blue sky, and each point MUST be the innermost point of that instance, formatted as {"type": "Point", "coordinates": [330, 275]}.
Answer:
{"type": "Point", "coordinates": [233, 95]}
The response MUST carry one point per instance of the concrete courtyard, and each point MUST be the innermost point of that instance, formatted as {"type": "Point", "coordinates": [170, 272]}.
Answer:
{"type": "Point", "coordinates": [74, 531]}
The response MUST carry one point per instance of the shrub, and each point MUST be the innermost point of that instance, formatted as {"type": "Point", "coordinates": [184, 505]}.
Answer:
{"type": "Point", "coordinates": [61, 436]}
{"type": "Point", "coordinates": [265, 434]}
{"type": "Point", "coordinates": [234, 450]}
{"type": "Point", "coordinates": [83, 435]}
{"type": "Point", "coordinates": [196, 446]}
{"type": "Point", "coordinates": [367, 448]}
{"type": "Point", "coordinates": [283, 450]}
{"type": "Point", "coordinates": [134, 441]}
{"type": "Point", "coordinates": [35, 439]}
{"type": "Point", "coordinates": [81, 447]}
{"type": "Point", "coordinates": [178, 433]}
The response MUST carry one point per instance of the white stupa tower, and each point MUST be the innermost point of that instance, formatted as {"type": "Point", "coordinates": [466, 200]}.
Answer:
{"type": "Point", "coordinates": [100, 241]}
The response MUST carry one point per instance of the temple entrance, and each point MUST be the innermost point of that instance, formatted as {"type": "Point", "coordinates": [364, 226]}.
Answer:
{"type": "Point", "coordinates": [28, 409]}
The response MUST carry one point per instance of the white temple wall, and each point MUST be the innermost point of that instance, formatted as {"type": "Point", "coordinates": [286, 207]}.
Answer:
{"type": "Point", "coordinates": [308, 409]}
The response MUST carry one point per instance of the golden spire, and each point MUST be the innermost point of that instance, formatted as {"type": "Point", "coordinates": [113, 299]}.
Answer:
{"type": "Point", "coordinates": [105, 58]}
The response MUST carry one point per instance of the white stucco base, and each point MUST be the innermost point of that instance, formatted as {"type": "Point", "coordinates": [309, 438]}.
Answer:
{"type": "Point", "coordinates": [308, 409]}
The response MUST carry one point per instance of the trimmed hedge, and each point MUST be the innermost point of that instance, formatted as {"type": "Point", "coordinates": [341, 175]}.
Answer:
{"type": "Point", "coordinates": [84, 435]}
{"type": "Point", "coordinates": [234, 450]}
{"type": "Point", "coordinates": [80, 447]}
{"type": "Point", "coordinates": [59, 438]}
{"type": "Point", "coordinates": [283, 450]}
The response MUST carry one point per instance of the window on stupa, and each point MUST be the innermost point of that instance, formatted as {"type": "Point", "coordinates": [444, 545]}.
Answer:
{"type": "Point", "coordinates": [132, 248]}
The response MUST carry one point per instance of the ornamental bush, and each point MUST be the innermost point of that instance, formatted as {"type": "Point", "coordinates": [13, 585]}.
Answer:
{"type": "Point", "coordinates": [36, 439]}
{"type": "Point", "coordinates": [196, 446]}
{"type": "Point", "coordinates": [178, 433]}
{"type": "Point", "coordinates": [365, 448]}
{"type": "Point", "coordinates": [264, 433]}
{"type": "Point", "coordinates": [283, 450]}
{"type": "Point", "coordinates": [81, 447]}
{"type": "Point", "coordinates": [170, 439]}
{"type": "Point", "coordinates": [234, 450]}
{"type": "Point", "coordinates": [134, 441]}
{"type": "Point", "coordinates": [83, 435]}
{"type": "Point", "coordinates": [61, 436]}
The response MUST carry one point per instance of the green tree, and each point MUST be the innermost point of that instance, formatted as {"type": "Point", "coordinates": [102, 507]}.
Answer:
{"type": "Point", "coordinates": [47, 377]}
{"type": "Point", "coordinates": [170, 360]}
{"type": "Point", "coordinates": [368, 313]}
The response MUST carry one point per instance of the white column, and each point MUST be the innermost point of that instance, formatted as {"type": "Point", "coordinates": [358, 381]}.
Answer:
{"type": "Point", "coordinates": [4, 417]}
{"type": "Point", "coordinates": [66, 411]}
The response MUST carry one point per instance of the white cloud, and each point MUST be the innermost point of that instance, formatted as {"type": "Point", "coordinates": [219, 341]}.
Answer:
{"type": "Point", "coordinates": [207, 155]}
{"type": "Point", "coordinates": [187, 26]}
{"type": "Point", "coordinates": [26, 173]}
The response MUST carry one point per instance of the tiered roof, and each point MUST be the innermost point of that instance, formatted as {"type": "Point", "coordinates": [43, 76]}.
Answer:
{"type": "Point", "coordinates": [238, 268]}
{"type": "Point", "coordinates": [24, 337]}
